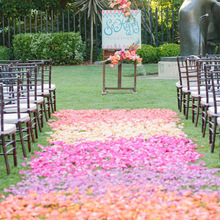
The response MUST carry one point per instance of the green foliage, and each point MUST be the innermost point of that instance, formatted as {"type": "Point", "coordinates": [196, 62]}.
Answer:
{"type": "Point", "coordinates": [100, 55]}
{"type": "Point", "coordinates": [167, 13]}
{"type": "Point", "coordinates": [16, 8]}
{"type": "Point", "coordinates": [49, 4]}
{"type": "Point", "coordinates": [166, 3]}
{"type": "Point", "coordinates": [22, 46]}
{"type": "Point", "coordinates": [5, 53]}
{"type": "Point", "coordinates": [148, 53]}
{"type": "Point", "coordinates": [93, 9]}
{"type": "Point", "coordinates": [63, 48]}
{"type": "Point", "coordinates": [168, 50]}
{"type": "Point", "coordinates": [151, 54]}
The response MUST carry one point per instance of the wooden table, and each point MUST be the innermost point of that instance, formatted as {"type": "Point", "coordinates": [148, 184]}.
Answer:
{"type": "Point", "coordinates": [106, 54]}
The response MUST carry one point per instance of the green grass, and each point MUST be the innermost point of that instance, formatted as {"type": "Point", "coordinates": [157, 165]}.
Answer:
{"type": "Point", "coordinates": [80, 87]}
{"type": "Point", "coordinates": [146, 69]}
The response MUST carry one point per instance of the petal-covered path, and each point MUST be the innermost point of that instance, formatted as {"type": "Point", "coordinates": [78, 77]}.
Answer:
{"type": "Point", "coordinates": [115, 164]}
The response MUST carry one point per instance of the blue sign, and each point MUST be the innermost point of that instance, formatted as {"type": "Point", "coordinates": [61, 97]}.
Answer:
{"type": "Point", "coordinates": [119, 32]}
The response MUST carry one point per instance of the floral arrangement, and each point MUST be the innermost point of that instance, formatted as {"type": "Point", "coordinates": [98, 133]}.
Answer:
{"type": "Point", "coordinates": [123, 54]}
{"type": "Point", "coordinates": [123, 5]}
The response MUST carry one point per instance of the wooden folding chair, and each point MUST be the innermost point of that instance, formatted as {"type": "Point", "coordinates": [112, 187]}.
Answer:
{"type": "Point", "coordinates": [7, 134]}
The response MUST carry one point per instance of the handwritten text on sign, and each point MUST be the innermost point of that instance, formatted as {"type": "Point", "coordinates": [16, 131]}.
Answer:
{"type": "Point", "coordinates": [119, 32]}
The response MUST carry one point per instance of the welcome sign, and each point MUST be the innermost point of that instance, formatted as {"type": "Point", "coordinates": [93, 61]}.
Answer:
{"type": "Point", "coordinates": [119, 32]}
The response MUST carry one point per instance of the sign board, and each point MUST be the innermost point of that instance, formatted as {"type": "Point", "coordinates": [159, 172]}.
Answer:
{"type": "Point", "coordinates": [119, 32]}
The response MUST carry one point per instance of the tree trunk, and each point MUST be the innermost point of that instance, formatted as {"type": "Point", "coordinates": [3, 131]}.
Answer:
{"type": "Point", "coordinates": [91, 49]}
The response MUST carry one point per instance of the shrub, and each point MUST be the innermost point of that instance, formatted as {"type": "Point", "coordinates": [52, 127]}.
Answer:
{"type": "Point", "coordinates": [168, 50]}
{"type": "Point", "coordinates": [100, 55]}
{"type": "Point", "coordinates": [63, 48]}
{"type": "Point", "coordinates": [151, 54]}
{"type": "Point", "coordinates": [5, 53]}
{"type": "Point", "coordinates": [22, 46]}
{"type": "Point", "coordinates": [148, 53]}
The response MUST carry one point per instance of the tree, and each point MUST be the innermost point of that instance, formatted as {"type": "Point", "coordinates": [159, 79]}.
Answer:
{"type": "Point", "coordinates": [152, 5]}
{"type": "Point", "coordinates": [165, 3]}
{"type": "Point", "coordinates": [16, 8]}
{"type": "Point", "coordinates": [93, 7]}
{"type": "Point", "coordinates": [50, 4]}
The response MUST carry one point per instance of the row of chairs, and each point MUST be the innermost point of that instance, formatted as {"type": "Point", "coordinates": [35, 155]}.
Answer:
{"type": "Point", "coordinates": [27, 98]}
{"type": "Point", "coordinates": [198, 89]}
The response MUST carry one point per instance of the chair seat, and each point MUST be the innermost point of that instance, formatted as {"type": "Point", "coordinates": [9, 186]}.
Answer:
{"type": "Point", "coordinates": [211, 111]}
{"type": "Point", "coordinates": [185, 90]}
{"type": "Point", "coordinates": [193, 89]}
{"type": "Point", "coordinates": [39, 100]}
{"type": "Point", "coordinates": [8, 129]}
{"type": "Point", "coordinates": [13, 118]}
{"type": "Point", "coordinates": [6, 89]}
{"type": "Point", "coordinates": [178, 85]}
{"type": "Point", "coordinates": [40, 93]}
{"type": "Point", "coordinates": [23, 108]}
{"type": "Point", "coordinates": [211, 101]}
{"type": "Point", "coordinates": [46, 86]}
{"type": "Point", "coordinates": [202, 94]}
{"type": "Point", "coordinates": [45, 92]}
{"type": "Point", "coordinates": [196, 94]}
{"type": "Point", "coordinates": [218, 121]}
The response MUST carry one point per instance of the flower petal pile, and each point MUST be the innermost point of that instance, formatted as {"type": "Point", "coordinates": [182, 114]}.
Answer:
{"type": "Point", "coordinates": [118, 202]}
{"type": "Point", "coordinates": [115, 164]}
{"type": "Point", "coordinates": [104, 124]}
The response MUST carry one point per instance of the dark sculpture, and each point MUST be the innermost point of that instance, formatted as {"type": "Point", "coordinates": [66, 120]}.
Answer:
{"type": "Point", "coordinates": [199, 26]}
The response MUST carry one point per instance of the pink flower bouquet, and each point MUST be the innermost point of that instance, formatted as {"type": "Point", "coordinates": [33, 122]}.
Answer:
{"type": "Point", "coordinates": [123, 5]}
{"type": "Point", "coordinates": [123, 54]}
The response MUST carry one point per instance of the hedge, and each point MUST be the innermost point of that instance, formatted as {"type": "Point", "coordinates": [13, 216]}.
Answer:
{"type": "Point", "coordinates": [168, 50]}
{"type": "Point", "coordinates": [63, 48]}
{"type": "Point", "coordinates": [148, 53]}
{"type": "Point", "coordinates": [151, 54]}
{"type": "Point", "coordinates": [5, 53]}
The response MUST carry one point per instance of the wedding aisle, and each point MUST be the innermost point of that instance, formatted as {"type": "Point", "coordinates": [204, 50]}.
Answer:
{"type": "Point", "coordinates": [115, 164]}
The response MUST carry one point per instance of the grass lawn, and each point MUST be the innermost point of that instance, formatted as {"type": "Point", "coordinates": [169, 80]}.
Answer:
{"type": "Point", "coordinates": [80, 87]}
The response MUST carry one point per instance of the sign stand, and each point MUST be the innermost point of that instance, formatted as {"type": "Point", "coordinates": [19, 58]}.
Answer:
{"type": "Point", "coordinates": [119, 32]}
{"type": "Point", "coordinates": [107, 53]}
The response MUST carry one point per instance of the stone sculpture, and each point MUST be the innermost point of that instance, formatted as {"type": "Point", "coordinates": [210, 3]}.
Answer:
{"type": "Point", "coordinates": [199, 26]}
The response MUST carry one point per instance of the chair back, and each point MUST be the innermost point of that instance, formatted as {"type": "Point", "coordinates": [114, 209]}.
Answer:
{"type": "Point", "coordinates": [209, 62]}
{"type": "Point", "coordinates": [2, 106]}
{"type": "Point", "coordinates": [212, 83]}
{"type": "Point", "coordinates": [44, 70]}
{"type": "Point", "coordinates": [32, 77]}
{"type": "Point", "coordinates": [187, 70]}
{"type": "Point", "coordinates": [181, 69]}
{"type": "Point", "coordinates": [191, 71]}
{"type": "Point", "coordinates": [16, 88]}
{"type": "Point", "coordinates": [9, 61]}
